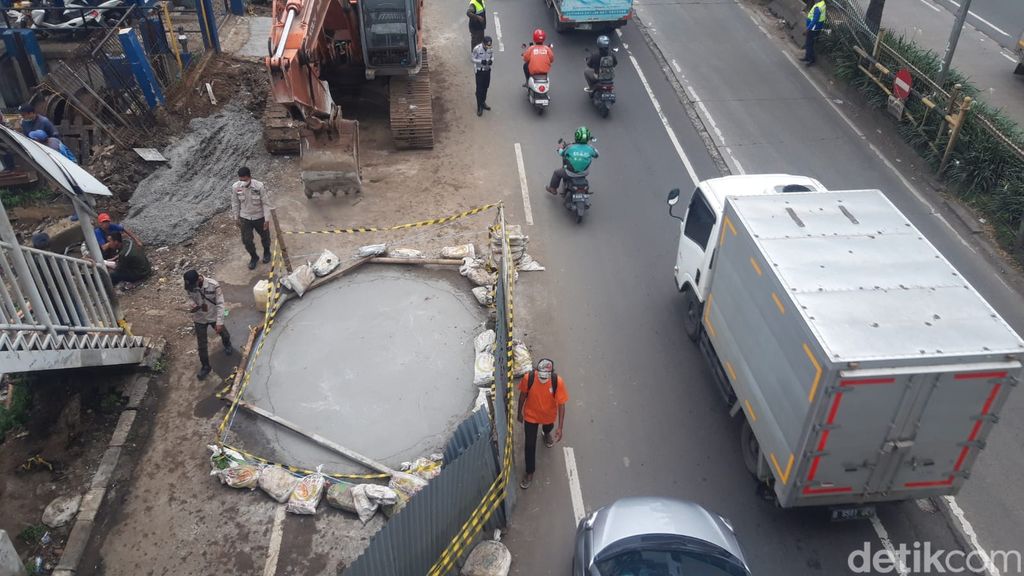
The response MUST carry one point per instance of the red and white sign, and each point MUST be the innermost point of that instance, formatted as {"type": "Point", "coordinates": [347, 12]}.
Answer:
{"type": "Point", "coordinates": [901, 84]}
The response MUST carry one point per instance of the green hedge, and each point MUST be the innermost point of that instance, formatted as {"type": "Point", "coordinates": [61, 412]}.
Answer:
{"type": "Point", "coordinates": [982, 171]}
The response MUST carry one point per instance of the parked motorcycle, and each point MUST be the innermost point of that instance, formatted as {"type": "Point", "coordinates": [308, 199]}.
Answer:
{"type": "Point", "coordinates": [108, 12]}
{"type": "Point", "coordinates": [575, 191]}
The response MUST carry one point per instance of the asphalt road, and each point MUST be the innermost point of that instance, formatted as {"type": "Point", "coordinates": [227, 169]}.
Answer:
{"type": "Point", "coordinates": [1001, 20]}
{"type": "Point", "coordinates": [643, 417]}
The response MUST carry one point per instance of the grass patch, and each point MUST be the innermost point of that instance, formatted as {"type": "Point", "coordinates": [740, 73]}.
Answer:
{"type": "Point", "coordinates": [32, 534]}
{"type": "Point", "coordinates": [983, 172]}
{"type": "Point", "coordinates": [15, 197]}
{"type": "Point", "coordinates": [16, 415]}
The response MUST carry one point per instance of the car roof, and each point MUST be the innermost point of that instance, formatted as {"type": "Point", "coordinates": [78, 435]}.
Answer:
{"type": "Point", "coordinates": [716, 190]}
{"type": "Point", "coordinates": [631, 517]}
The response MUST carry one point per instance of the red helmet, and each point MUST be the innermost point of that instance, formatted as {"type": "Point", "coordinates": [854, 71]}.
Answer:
{"type": "Point", "coordinates": [539, 36]}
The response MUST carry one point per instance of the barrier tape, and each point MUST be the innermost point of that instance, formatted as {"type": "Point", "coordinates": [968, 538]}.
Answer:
{"type": "Point", "coordinates": [495, 494]}
{"type": "Point", "coordinates": [433, 222]}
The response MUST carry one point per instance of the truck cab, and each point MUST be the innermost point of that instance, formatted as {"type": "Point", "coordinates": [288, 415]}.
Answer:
{"type": "Point", "coordinates": [701, 224]}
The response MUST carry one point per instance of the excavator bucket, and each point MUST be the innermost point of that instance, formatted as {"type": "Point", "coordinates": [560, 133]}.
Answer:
{"type": "Point", "coordinates": [329, 159]}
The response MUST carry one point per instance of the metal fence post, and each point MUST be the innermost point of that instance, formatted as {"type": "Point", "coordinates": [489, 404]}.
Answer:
{"type": "Point", "coordinates": [25, 278]}
{"type": "Point", "coordinates": [955, 132]}
{"type": "Point", "coordinates": [141, 68]}
{"type": "Point", "coordinates": [208, 25]}
{"type": "Point", "coordinates": [84, 215]}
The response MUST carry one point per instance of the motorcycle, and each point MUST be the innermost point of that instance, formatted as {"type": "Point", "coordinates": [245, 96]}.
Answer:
{"type": "Point", "coordinates": [602, 93]}
{"type": "Point", "coordinates": [575, 191]}
{"type": "Point", "coordinates": [538, 91]}
{"type": "Point", "coordinates": [109, 12]}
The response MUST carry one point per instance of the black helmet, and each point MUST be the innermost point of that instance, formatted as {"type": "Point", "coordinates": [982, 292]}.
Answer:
{"type": "Point", "coordinates": [191, 280]}
{"type": "Point", "coordinates": [603, 42]}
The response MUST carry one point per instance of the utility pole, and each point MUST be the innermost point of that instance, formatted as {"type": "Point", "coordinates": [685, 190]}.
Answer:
{"type": "Point", "coordinates": [873, 17]}
{"type": "Point", "coordinates": [954, 37]}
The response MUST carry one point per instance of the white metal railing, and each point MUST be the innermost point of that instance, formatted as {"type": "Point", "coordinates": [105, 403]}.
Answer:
{"type": "Point", "coordinates": [52, 293]}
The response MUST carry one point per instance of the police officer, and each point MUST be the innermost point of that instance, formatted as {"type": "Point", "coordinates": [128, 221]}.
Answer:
{"type": "Point", "coordinates": [207, 310]}
{"type": "Point", "coordinates": [815, 23]}
{"type": "Point", "coordinates": [483, 59]}
{"type": "Point", "coordinates": [251, 204]}
{"type": "Point", "coordinates": [477, 14]}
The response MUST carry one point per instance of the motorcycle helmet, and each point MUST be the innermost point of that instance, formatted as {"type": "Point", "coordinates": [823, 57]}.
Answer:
{"type": "Point", "coordinates": [603, 42]}
{"type": "Point", "coordinates": [539, 36]}
{"type": "Point", "coordinates": [582, 135]}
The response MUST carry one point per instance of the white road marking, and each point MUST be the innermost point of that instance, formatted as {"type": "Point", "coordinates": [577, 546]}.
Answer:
{"type": "Point", "coordinates": [1009, 57]}
{"type": "Point", "coordinates": [901, 567]}
{"type": "Point", "coordinates": [932, 6]}
{"type": "Point", "coordinates": [990, 568]}
{"type": "Point", "coordinates": [522, 184]}
{"type": "Point", "coordinates": [574, 485]}
{"type": "Point", "coordinates": [675, 66]}
{"type": "Point", "coordinates": [993, 26]}
{"type": "Point", "coordinates": [497, 32]}
{"type": "Point", "coordinates": [276, 533]}
{"type": "Point", "coordinates": [737, 167]}
{"type": "Point", "coordinates": [661, 115]}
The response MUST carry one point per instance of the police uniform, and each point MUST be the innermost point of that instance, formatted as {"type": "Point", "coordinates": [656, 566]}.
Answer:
{"type": "Point", "coordinates": [251, 204]}
{"type": "Point", "coordinates": [208, 300]}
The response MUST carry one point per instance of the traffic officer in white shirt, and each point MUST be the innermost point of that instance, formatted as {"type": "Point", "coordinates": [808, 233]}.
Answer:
{"type": "Point", "coordinates": [251, 204]}
{"type": "Point", "coordinates": [207, 310]}
{"type": "Point", "coordinates": [483, 59]}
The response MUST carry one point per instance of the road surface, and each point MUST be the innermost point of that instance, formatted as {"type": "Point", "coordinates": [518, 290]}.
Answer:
{"type": "Point", "coordinates": [643, 418]}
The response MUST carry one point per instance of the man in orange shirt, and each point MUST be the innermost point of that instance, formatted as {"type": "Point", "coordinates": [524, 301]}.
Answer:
{"type": "Point", "coordinates": [542, 398]}
{"type": "Point", "coordinates": [538, 57]}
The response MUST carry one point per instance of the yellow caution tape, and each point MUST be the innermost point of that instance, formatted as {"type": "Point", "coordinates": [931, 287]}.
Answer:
{"type": "Point", "coordinates": [432, 222]}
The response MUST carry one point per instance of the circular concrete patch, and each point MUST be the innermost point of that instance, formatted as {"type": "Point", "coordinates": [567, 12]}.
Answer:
{"type": "Point", "coordinates": [380, 362]}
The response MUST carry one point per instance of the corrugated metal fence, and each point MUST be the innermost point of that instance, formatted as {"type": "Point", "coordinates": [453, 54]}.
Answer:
{"type": "Point", "coordinates": [411, 541]}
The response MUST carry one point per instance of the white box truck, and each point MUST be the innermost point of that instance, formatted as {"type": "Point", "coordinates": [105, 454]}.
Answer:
{"type": "Point", "coordinates": [866, 367]}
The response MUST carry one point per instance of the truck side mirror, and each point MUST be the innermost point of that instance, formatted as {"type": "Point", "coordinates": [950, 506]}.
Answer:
{"type": "Point", "coordinates": [673, 199]}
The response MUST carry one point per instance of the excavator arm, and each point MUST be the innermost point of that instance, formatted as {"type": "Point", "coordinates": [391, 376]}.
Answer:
{"type": "Point", "coordinates": [306, 36]}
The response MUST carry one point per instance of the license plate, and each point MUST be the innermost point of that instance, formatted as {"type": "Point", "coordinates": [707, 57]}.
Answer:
{"type": "Point", "coordinates": [852, 513]}
{"type": "Point", "coordinates": [584, 26]}
{"type": "Point", "coordinates": [579, 197]}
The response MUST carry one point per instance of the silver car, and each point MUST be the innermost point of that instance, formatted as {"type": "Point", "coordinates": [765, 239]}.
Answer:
{"type": "Point", "coordinates": [656, 537]}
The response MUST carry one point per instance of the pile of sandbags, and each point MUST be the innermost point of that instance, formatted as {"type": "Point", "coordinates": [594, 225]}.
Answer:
{"type": "Point", "coordinates": [517, 242]}
{"type": "Point", "coordinates": [483, 367]}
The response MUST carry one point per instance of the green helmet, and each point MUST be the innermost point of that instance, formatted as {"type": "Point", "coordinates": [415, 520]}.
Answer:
{"type": "Point", "coordinates": [582, 135]}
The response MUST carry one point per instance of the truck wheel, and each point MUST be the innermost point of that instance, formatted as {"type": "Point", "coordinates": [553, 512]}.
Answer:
{"type": "Point", "coordinates": [750, 448]}
{"type": "Point", "coordinates": [694, 310]}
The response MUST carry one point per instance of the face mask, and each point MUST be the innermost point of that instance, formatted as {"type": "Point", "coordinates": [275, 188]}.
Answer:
{"type": "Point", "coordinates": [544, 375]}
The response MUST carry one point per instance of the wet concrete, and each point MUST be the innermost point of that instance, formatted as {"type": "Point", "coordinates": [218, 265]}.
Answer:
{"type": "Point", "coordinates": [380, 362]}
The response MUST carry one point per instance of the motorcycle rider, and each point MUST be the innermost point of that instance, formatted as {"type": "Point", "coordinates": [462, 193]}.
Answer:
{"type": "Point", "coordinates": [576, 159]}
{"type": "Point", "coordinates": [538, 57]}
{"type": "Point", "coordinates": [594, 61]}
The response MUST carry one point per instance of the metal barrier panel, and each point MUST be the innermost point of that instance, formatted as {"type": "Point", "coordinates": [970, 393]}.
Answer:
{"type": "Point", "coordinates": [503, 387]}
{"type": "Point", "coordinates": [410, 542]}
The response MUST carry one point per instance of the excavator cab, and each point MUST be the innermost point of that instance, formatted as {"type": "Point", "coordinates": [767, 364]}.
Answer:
{"type": "Point", "coordinates": [390, 37]}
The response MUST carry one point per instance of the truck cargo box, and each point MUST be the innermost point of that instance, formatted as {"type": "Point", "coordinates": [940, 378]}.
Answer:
{"type": "Point", "coordinates": [583, 12]}
{"type": "Point", "coordinates": [867, 366]}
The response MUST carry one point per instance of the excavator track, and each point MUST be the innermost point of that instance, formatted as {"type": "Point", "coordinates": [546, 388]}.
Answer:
{"type": "Point", "coordinates": [412, 112]}
{"type": "Point", "coordinates": [280, 132]}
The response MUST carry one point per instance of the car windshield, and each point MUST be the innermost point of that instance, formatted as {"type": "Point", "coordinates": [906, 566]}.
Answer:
{"type": "Point", "coordinates": [668, 556]}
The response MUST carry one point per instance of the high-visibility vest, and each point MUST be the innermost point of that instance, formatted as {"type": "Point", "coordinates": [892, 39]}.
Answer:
{"type": "Point", "coordinates": [820, 5]}
{"type": "Point", "coordinates": [478, 6]}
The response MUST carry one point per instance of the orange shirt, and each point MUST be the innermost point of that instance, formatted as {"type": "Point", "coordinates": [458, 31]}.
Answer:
{"type": "Point", "coordinates": [540, 58]}
{"type": "Point", "coordinates": [541, 405]}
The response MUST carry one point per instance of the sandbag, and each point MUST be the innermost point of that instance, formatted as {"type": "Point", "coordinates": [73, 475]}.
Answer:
{"type": "Point", "coordinates": [369, 497]}
{"type": "Point", "coordinates": [326, 263]}
{"type": "Point", "coordinates": [300, 280]}
{"type": "Point", "coordinates": [240, 476]}
{"type": "Point", "coordinates": [306, 495]}
{"type": "Point", "coordinates": [278, 483]}
{"type": "Point", "coordinates": [372, 250]}
{"type": "Point", "coordinates": [483, 369]}
{"type": "Point", "coordinates": [405, 253]}
{"type": "Point", "coordinates": [521, 361]}
{"type": "Point", "coordinates": [484, 295]}
{"type": "Point", "coordinates": [484, 341]}
{"type": "Point", "coordinates": [476, 270]}
{"type": "Point", "coordinates": [459, 252]}
{"type": "Point", "coordinates": [528, 264]}
{"type": "Point", "coordinates": [405, 483]}
{"type": "Point", "coordinates": [339, 495]}
{"type": "Point", "coordinates": [426, 468]}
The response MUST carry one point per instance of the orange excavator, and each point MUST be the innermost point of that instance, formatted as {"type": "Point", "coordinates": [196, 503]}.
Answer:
{"type": "Point", "coordinates": [317, 45]}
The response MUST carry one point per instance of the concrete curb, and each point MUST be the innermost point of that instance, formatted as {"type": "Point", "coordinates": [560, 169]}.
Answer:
{"type": "Point", "coordinates": [81, 531]}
